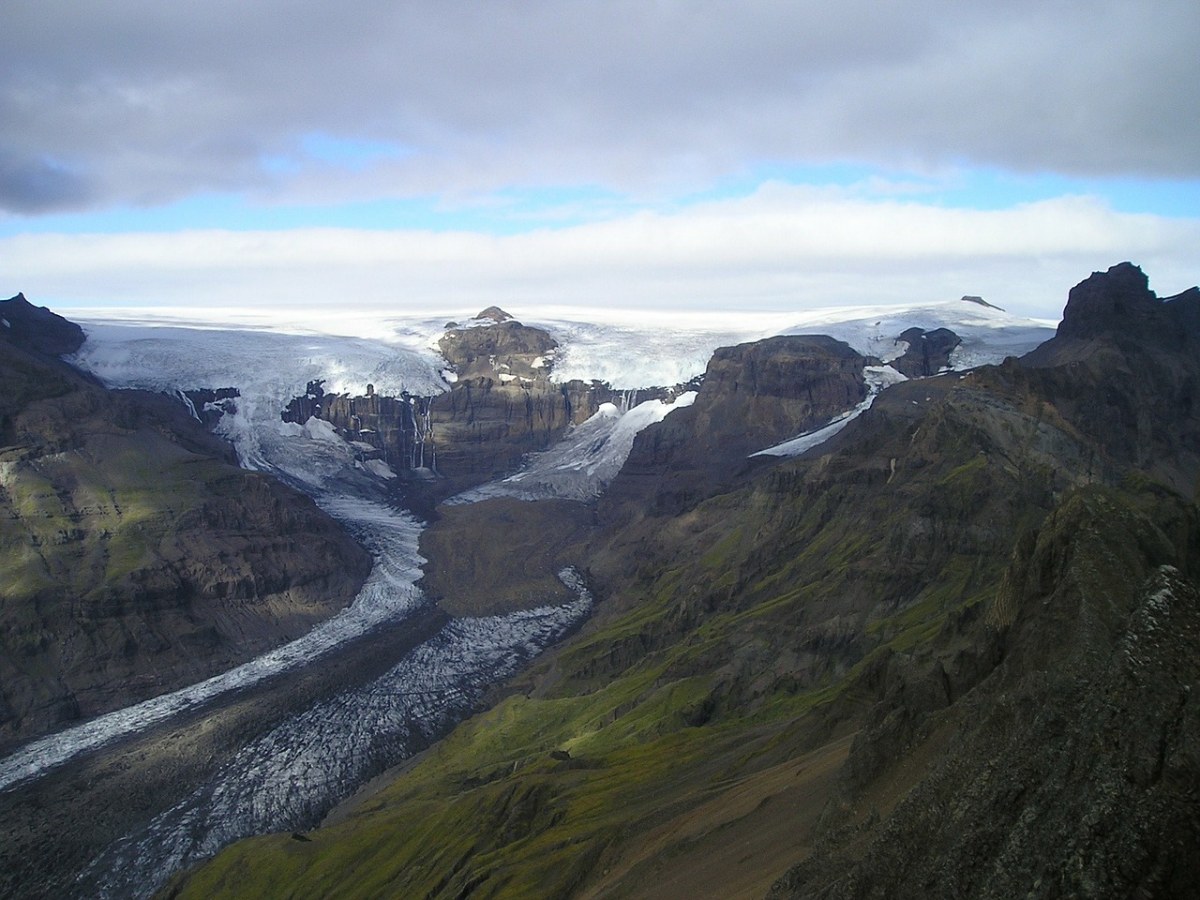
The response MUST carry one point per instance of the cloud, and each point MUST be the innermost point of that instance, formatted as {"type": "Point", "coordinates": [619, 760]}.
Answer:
{"type": "Point", "coordinates": [782, 248]}
{"type": "Point", "coordinates": [145, 102]}
{"type": "Point", "coordinates": [36, 184]}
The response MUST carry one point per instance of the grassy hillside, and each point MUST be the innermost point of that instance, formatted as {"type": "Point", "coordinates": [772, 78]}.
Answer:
{"type": "Point", "coordinates": [719, 687]}
{"type": "Point", "coordinates": [953, 655]}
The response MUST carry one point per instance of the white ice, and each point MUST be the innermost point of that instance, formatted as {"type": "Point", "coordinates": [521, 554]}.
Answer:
{"type": "Point", "coordinates": [877, 378]}
{"type": "Point", "coordinates": [288, 778]}
{"type": "Point", "coordinates": [389, 593]}
{"type": "Point", "coordinates": [270, 361]}
{"type": "Point", "coordinates": [585, 461]}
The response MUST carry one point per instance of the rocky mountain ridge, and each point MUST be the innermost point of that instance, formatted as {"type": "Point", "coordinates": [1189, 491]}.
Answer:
{"type": "Point", "coordinates": [136, 556]}
{"type": "Point", "coordinates": [502, 404]}
{"type": "Point", "coordinates": [949, 653]}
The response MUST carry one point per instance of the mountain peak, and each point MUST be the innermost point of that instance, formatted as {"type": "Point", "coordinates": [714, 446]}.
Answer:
{"type": "Point", "coordinates": [495, 313]}
{"type": "Point", "coordinates": [1107, 302]}
{"type": "Point", "coordinates": [37, 328]}
{"type": "Point", "coordinates": [979, 301]}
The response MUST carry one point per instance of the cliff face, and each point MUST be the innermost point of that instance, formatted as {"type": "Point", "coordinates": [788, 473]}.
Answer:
{"type": "Point", "coordinates": [952, 653]}
{"type": "Point", "coordinates": [501, 405]}
{"type": "Point", "coordinates": [136, 556]}
{"type": "Point", "coordinates": [752, 396]}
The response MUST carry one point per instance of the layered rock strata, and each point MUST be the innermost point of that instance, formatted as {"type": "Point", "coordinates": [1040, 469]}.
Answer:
{"type": "Point", "coordinates": [136, 556]}
{"type": "Point", "coordinates": [502, 404]}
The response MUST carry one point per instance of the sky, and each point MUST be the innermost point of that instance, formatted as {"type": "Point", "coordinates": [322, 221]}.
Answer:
{"type": "Point", "coordinates": [416, 156]}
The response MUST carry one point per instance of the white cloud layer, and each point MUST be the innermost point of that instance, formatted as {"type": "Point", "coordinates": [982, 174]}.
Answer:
{"type": "Point", "coordinates": [783, 248]}
{"type": "Point", "coordinates": [140, 101]}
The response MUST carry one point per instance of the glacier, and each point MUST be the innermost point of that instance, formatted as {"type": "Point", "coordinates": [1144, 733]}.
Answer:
{"type": "Point", "coordinates": [876, 377]}
{"type": "Point", "coordinates": [581, 465]}
{"type": "Point", "coordinates": [287, 777]}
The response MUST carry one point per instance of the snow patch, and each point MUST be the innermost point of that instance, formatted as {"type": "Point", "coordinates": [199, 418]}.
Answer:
{"type": "Point", "coordinates": [379, 469]}
{"type": "Point", "coordinates": [319, 430]}
{"type": "Point", "coordinates": [877, 378]}
{"type": "Point", "coordinates": [585, 461]}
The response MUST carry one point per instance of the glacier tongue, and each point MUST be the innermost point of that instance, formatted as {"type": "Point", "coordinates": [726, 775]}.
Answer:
{"type": "Point", "coordinates": [877, 378]}
{"type": "Point", "coordinates": [288, 778]}
{"type": "Point", "coordinates": [583, 463]}
{"type": "Point", "coordinates": [389, 593]}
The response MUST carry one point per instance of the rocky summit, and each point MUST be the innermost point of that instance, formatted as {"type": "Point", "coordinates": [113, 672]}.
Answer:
{"type": "Point", "coordinates": [951, 652]}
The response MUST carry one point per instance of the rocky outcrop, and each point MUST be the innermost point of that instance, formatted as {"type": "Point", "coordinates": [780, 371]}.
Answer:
{"type": "Point", "coordinates": [1124, 369]}
{"type": "Point", "coordinates": [136, 556]}
{"type": "Point", "coordinates": [37, 328]}
{"type": "Point", "coordinates": [1070, 767]}
{"type": "Point", "coordinates": [502, 349]}
{"type": "Point", "coordinates": [927, 353]}
{"type": "Point", "coordinates": [751, 397]}
{"type": "Point", "coordinates": [502, 404]}
{"type": "Point", "coordinates": [1117, 305]}
{"type": "Point", "coordinates": [210, 404]}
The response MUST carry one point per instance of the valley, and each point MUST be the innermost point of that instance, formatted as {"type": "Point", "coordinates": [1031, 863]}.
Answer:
{"type": "Point", "coordinates": [940, 641]}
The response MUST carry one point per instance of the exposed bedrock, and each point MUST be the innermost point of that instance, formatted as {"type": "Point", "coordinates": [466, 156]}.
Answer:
{"type": "Point", "coordinates": [501, 406]}
{"type": "Point", "coordinates": [136, 556]}
{"type": "Point", "coordinates": [752, 396]}
{"type": "Point", "coordinates": [928, 352]}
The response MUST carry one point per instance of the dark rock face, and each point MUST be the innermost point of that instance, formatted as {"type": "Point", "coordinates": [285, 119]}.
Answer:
{"type": "Point", "coordinates": [136, 556]}
{"type": "Point", "coordinates": [501, 406]}
{"type": "Point", "coordinates": [758, 394]}
{"type": "Point", "coordinates": [1072, 767]}
{"type": "Point", "coordinates": [1125, 368]}
{"type": "Point", "coordinates": [1119, 299]}
{"type": "Point", "coordinates": [505, 347]}
{"type": "Point", "coordinates": [209, 404]}
{"type": "Point", "coordinates": [37, 329]}
{"type": "Point", "coordinates": [752, 396]}
{"type": "Point", "coordinates": [928, 351]}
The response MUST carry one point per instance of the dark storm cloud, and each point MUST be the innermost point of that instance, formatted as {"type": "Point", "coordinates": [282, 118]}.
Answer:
{"type": "Point", "coordinates": [38, 185]}
{"type": "Point", "coordinates": [141, 102]}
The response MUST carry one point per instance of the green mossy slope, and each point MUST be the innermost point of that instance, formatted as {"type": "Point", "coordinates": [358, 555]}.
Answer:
{"type": "Point", "coordinates": [754, 630]}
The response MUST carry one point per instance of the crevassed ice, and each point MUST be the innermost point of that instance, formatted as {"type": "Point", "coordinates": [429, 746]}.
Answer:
{"type": "Point", "coordinates": [288, 778]}
{"type": "Point", "coordinates": [389, 592]}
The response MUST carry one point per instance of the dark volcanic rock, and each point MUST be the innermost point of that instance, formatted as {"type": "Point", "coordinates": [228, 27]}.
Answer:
{"type": "Point", "coordinates": [928, 351]}
{"type": "Point", "coordinates": [136, 556]}
{"type": "Point", "coordinates": [1119, 300]}
{"type": "Point", "coordinates": [210, 404]}
{"type": "Point", "coordinates": [37, 328]}
{"type": "Point", "coordinates": [1124, 368]}
{"type": "Point", "coordinates": [1073, 770]}
{"type": "Point", "coordinates": [505, 348]}
{"type": "Point", "coordinates": [752, 396]}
